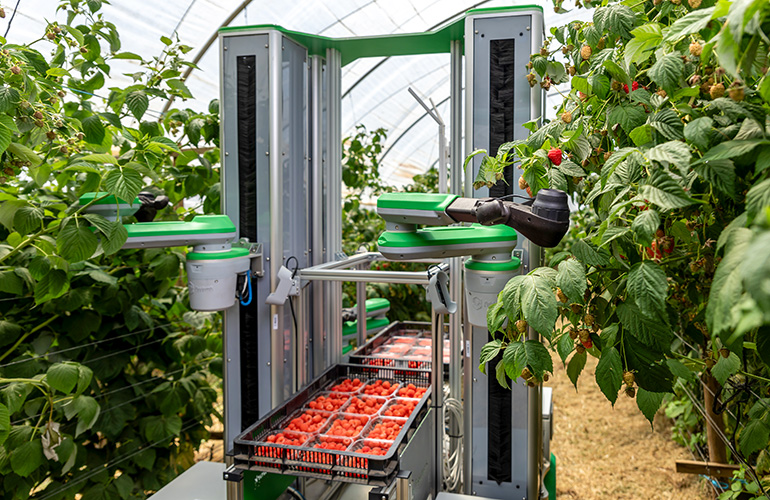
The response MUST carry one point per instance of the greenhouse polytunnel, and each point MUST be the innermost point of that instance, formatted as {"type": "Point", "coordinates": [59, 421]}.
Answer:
{"type": "Point", "coordinates": [366, 249]}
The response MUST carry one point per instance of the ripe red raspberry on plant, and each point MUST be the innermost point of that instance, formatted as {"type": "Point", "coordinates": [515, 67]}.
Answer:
{"type": "Point", "coordinates": [410, 391]}
{"type": "Point", "coordinates": [555, 156]}
{"type": "Point", "coordinates": [635, 86]}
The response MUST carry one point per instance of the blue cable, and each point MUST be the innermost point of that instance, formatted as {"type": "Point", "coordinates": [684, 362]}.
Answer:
{"type": "Point", "coordinates": [248, 279]}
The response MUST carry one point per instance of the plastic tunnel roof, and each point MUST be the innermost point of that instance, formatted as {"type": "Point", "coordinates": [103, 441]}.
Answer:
{"type": "Point", "coordinates": [374, 87]}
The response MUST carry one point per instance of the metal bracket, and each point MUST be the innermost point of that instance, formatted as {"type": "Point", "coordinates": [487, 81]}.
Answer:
{"type": "Point", "coordinates": [232, 474]}
{"type": "Point", "coordinates": [287, 285]}
{"type": "Point", "coordinates": [438, 292]}
{"type": "Point", "coordinates": [255, 254]}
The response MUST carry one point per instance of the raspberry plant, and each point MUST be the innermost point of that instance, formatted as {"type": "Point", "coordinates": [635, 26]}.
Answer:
{"type": "Point", "coordinates": [106, 376]}
{"type": "Point", "coordinates": [665, 274]}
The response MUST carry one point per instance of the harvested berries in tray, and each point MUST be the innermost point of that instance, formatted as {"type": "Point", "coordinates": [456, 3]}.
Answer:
{"type": "Point", "coordinates": [379, 387]}
{"type": "Point", "coordinates": [365, 405]}
{"type": "Point", "coordinates": [411, 391]}
{"type": "Point", "coordinates": [346, 425]}
{"type": "Point", "coordinates": [307, 421]}
{"type": "Point", "coordinates": [399, 408]}
{"type": "Point", "coordinates": [347, 385]}
{"type": "Point", "coordinates": [384, 428]}
{"type": "Point", "coordinates": [329, 401]}
{"type": "Point", "coordinates": [326, 450]}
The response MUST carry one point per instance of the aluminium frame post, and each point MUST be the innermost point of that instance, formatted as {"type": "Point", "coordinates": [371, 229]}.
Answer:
{"type": "Point", "coordinates": [437, 393]}
{"type": "Point", "coordinates": [275, 58]}
{"type": "Point", "coordinates": [316, 196]}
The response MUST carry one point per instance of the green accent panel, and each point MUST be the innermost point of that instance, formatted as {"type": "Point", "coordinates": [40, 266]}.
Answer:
{"type": "Point", "coordinates": [230, 254]}
{"type": "Point", "coordinates": [346, 349]}
{"type": "Point", "coordinates": [377, 303]}
{"type": "Point", "coordinates": [264, 486]}
{"type": "Point", "coordinates": [399, 44]}
{"type": "Point", "coordinates": [454, 235]}
{"type": "Point", "coordinates": [201, 224]}
{"type": "Point", "coordinates": [109, 200]}
{"type": "Point", "coordinates": [550, 479]}
{"type": "Point", "coordinates": [511, 265]}
{"type": "Point", "coordinates": [351, 327]}
{"type": "Point", "coordinates": [416, 201]}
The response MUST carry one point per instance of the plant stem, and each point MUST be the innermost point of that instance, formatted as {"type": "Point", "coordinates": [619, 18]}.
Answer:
{"type": "Point", "coordinates": [24, 337]}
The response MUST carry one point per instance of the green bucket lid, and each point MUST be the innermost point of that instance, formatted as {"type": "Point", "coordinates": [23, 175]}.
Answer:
{"type": "Point", "coordinates": [452, 235]}
{"type": "Point", "coordinates": [509, 265]}
{"type": "Point", "coordinates": [233, 253]}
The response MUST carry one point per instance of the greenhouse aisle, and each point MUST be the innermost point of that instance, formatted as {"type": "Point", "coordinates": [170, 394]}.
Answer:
{"type": "Point", "coordinates": [599, 449]}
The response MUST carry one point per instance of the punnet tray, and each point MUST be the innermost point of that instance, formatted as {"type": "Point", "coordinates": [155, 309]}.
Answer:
{"type": "Point", "coordinates": [380, 350]}
{"type": "Point", "coordinates": [320, 455]}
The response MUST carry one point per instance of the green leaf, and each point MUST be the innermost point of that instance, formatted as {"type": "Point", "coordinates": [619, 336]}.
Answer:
{"type": "Point", "coordinates": [85, 374]}
{"type": "Point", "coordinates": [495, 317]}
{"type": "Point", "coordinates": [511, 297]}
{"type": "Point", "coordinates": [76, 241]}
{"type": "Point", "coordinates": [698, 132]}
{"type": "Point", "coordinates": [514, 359]}
{"type": "Point", "coordinates": [28, 220]}
{"type": "Point", "coordinates": [124, 182]}
{"type": "Point", "coordinates": [24, 153]}
{"type": "Point", "coordinates": [571, 169]}
{"type": "Point", "coordinates": [100, 158]}
{"type": "Point", "coordinates": [538, 304]}
{"type": "Point", "coordinates": [27, 458]}
{"type": "Point", "coordinates": [667, 72]}
{"type": "Point", "coordinates": [615, 18]}
{"type": "Point", "coordinates": [662, 190]}
{"type": "Point", "coordinates": [137, 103]}
{"type": "Point", "coordinates": [9, 332]}
{"type": "Point", "coordinates": [609, 374]}
{"type": "Point", "coordinates": [53, 285]}
{"type": "Point", "coordinates": [5, 423]}
{"type": "Point", "coordinates": [719, 173]}
{"type": "Point", "coordinates": [127, 55]}
{"type": "Point", "coordinates": [616, 71]}
{"type": "Point", "coordinates": [9, 98]}
{"type": "Point", "coordinates": [93, 128]}
{"type": "Point", "coordinates": [575, 366]}
{"type": "Point", "coordinates": [115, 240]}
{"type": "Point", "coordinates": [757, 198]}
{"type": "Point", "coordinates": [689, 24]}
{"type": "Point", "coordinates": [571, 278]}
{"type": "Point", "coordinates": [641, 135]}
{"type": "Point", "coordinates": [179, 88]}
{"type": "Point", "coordinates": [628, 116]}
{"type": "Point", "coordinates": [667, 122]}
{"type": "Point", "coordinates": [651, 331]}
{"type": "Point", "coordinates": [62, 376]}
{"type": "Point", "coordinates": [87, 410]}
{"type": "Point", "coordinates": [500, 375]}
{"type": "Point", "coordinates": [589, 254]}
{"type": "Point", "coordinates": [674, 152]}
{"type": "Point", "coordinates": [157, 430]}
{"type": "Point", "coordinates": [649, 403]}
{"type": "Point", "coordinates": [488, 353]}
{"type": "Point", "coordinates": [645, 226]}
{"type": "Point", "coordinates": [731, 149]}
{"type": "Point", "coordinates": [600, 84]}
{"type": "Point", "coordinates": [727, 286]}
{"type": "Point", "coordinates": [538, 358]}
{"type": "Point", "coordinates": [648, 287]}
{"type": "Point", "coordinates": [725, 368]}
{"type": "Point", "coordinates": [754, 437]}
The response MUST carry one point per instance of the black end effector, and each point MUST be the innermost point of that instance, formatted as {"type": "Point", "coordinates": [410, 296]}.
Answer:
{"type": "Point", "coordinates": [544, 222]}
{"type": "Point", "coordinates": [150, 206]}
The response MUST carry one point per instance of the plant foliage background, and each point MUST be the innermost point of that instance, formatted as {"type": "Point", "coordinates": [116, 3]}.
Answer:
{"type": "Point", "coordinates": [107, 379]}
{"type": "Point", "coordinates": [663, 141]}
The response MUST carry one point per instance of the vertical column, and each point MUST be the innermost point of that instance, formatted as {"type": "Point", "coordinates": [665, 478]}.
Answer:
{"type": "Point", "coordinates": [334, 193]}
{"type": "Point", "coordinates": [456, 174]}
{"type": "Point", "coordinates": [316, 212]}
{"type": "Point", "coordinates": [276, 211]}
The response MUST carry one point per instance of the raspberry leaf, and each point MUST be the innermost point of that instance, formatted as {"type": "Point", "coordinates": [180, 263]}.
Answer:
{"type": "Point", "coordinates": [609, 374]}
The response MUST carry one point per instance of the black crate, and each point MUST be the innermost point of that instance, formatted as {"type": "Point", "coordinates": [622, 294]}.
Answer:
{"type": "Point", "coordinates": [418, 329]}
{"type": "Point", "coordinates": [250, 452]}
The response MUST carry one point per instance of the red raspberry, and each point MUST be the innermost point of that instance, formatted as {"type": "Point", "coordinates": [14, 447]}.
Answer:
{"type": "Point", "coordinates": [635, 86]}
{"type": "Point", "coordinates": [625, 88]}
{"type": "Point", "coordinates": [555, 156]}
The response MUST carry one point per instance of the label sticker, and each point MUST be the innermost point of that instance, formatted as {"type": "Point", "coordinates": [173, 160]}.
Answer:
{"type": "Point", "coordinates": [467, 348]}
{"type": "Point", "coordinates": [275, 322]}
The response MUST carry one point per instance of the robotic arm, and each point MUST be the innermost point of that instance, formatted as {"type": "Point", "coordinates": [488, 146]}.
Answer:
{"type": "Point", "coordinates": [544, 222]}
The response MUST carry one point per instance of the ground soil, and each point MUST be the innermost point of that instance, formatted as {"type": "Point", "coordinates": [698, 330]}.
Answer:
{"type": "Point", "coordinates": [611, 453]}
